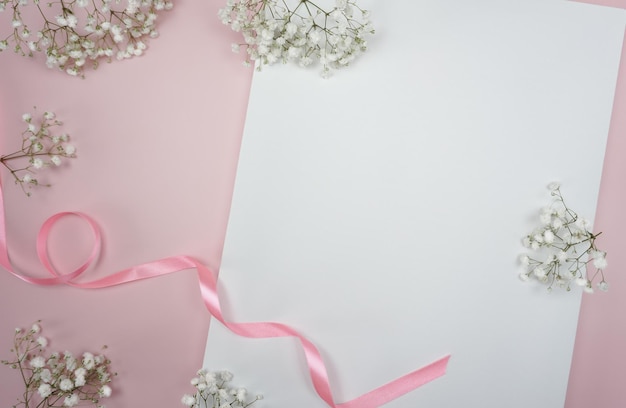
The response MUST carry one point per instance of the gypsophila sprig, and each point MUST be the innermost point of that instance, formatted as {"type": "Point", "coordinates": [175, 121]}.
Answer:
{"type": "Point", "coordinates": [57, 379]}
{"type": "Point", "coordinates": [299, 31]}
{"type": "Point", "coordinates": [214, 391]}
{"type": "Point", "coordinates": [75, 32]}
{"type": "Point", "coordinates": [564, 249]}
{"type": "Point", "coordinates": [41, 148]}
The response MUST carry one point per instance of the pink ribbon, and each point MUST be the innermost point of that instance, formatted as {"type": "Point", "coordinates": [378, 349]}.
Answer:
{"type": "Point", "coordinates": [208, 288]}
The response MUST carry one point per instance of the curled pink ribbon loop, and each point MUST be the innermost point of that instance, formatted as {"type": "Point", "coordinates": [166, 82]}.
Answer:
{"type": "Point", "coordinates": [208, 287]}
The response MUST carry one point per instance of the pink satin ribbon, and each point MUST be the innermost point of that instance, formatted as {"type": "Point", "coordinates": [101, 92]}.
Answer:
{"type": "Point", "coordinates": [208, 287]}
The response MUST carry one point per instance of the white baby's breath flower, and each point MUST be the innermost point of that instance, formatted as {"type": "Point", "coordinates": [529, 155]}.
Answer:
{"type": "Point", "coordinates": [42, 341]}
{"type": "Point", "coordinates": [45, 375]}
{"type": "Point", "coordinates": [89, 361]}
{"type": "Point", "coordinates": [55, 381]}
{"type": "Point", "coordinates": [548, 237]}
{"type": "Point", "coordinates": [44, 390]}
{"type": "Point", "coordinates": [41, 148]}
{"type": "Point", "coordinates": [69, 39]}
{"type": "Point", "coordinates": [546, 218]}
{"type": "Point", "coordinates": [218, 393]}
{"type": "Point", "coordinates": [37, 362]}
{"type": "Point", "coordinates": [223, 394]}
{"type": "Point", "coordinates": [563, 246]}
{"type": "Point", "coordinates": [539, 272]}
{"type": "Point", "coordinates": [581, 282]}
{"type": "Point", "coordinates": [599, 259]}
{"type": "Point", "coordinates": [188, 400]}
{"type": "Point", "coordinates": [105, 391]}
{"type": "Point", "coordinates": [66, 384]}
{"type": "Point", "coordinates": [226, 376]}
{"type": "Point", "coordinates": [70, 361]}
{"type": "Point", "coordinates": [241, 395]}
{"type": "Point", "coordinates": [583, 224]}
{"type": "Point", "coordinates": [524, 260]}
{"type": "Point", "coordinates": [554, 186]}
{"type": "Point", "coordinates": [80, 380]}
{"type": "Point", "coordinates": [71, 400]}
{"type": "Point", "coordinates": [302, 33]}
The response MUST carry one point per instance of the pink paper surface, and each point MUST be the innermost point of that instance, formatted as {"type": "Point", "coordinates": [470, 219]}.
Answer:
{"type": "Point", "coordinates": [597, 374]}
{"type": "Point", "coordinates": [610, 3]}
{"type": "Point", "coordinates": [157, 139]}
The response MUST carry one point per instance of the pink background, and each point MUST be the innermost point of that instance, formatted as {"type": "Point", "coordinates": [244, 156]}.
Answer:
{"type": "Point", "coordinates": [597, 375]}
{"type": "Point", "coordinates": [190, 86]}
{"type": "Point", "coordinates": [154, 134]}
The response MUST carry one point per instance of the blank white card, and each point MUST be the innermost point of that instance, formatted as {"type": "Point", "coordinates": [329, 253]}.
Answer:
{"type": "Point", "coordinates": [380, 212]}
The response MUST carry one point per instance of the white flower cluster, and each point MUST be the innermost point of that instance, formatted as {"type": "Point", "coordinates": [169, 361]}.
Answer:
{"type": "Point", "coordinates": [76, 31]}
{"type": "Point", "coordinates": [213, 391]}
{"type": "Point", "coordinates": [40, 149]}
{"type": "Point", "coordinates": [299, 30]}
{"type": "Point", "coordinates": [59, 379]}
{"type": "Point", "coordinates": [564, 247]}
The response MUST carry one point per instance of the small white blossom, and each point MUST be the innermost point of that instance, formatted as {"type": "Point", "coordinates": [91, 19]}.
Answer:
{"type": "Point", "coordinates": [105, 391]}
{"type": "Point", "coordinates": [41, 148]}
{"type": "Point", "coordinates": [276, 31]}
{"type": "Point", "coordinates": [554, 186]}
{"type": "Point", "coordinates": [71, 401]}
{"type": "Point", "coordinates": [188, 400]}
{"type": "Point", "coordinates": [42, 341]}
{"type": "Point", "coordinates": [89, 361]}
{"type": "Point", "coordinates": [70, 39]}
{"type": "Point", "coordinates": [66, 384]}
{"type": "Point", "coordinates": [563, 245]}
{"type": "Point", "coordinates": [581, 282]}
{"type": "Point", "coordinates": [213, 390]}
{"type": "Point", "coordinates": [548, 237]}
{"type": "Point", "coordinates": [56, 380]}
{"type": "Point", "coordinates": [45, 375]}
{"type": "Point", "coordinates": [44, 390]}
{"type": "Point", "coordinates": [599, 260]}
{"type": "Point", "coordinates": [80, 380]}
{"type": "Point", "coordinates": [241, 395]}
{"type": "Point", "coordinates": [37, 362]}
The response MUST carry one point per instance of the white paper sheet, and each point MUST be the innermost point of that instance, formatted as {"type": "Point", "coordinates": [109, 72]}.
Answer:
{"type": "Point", "coordinates": [380, 212]}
